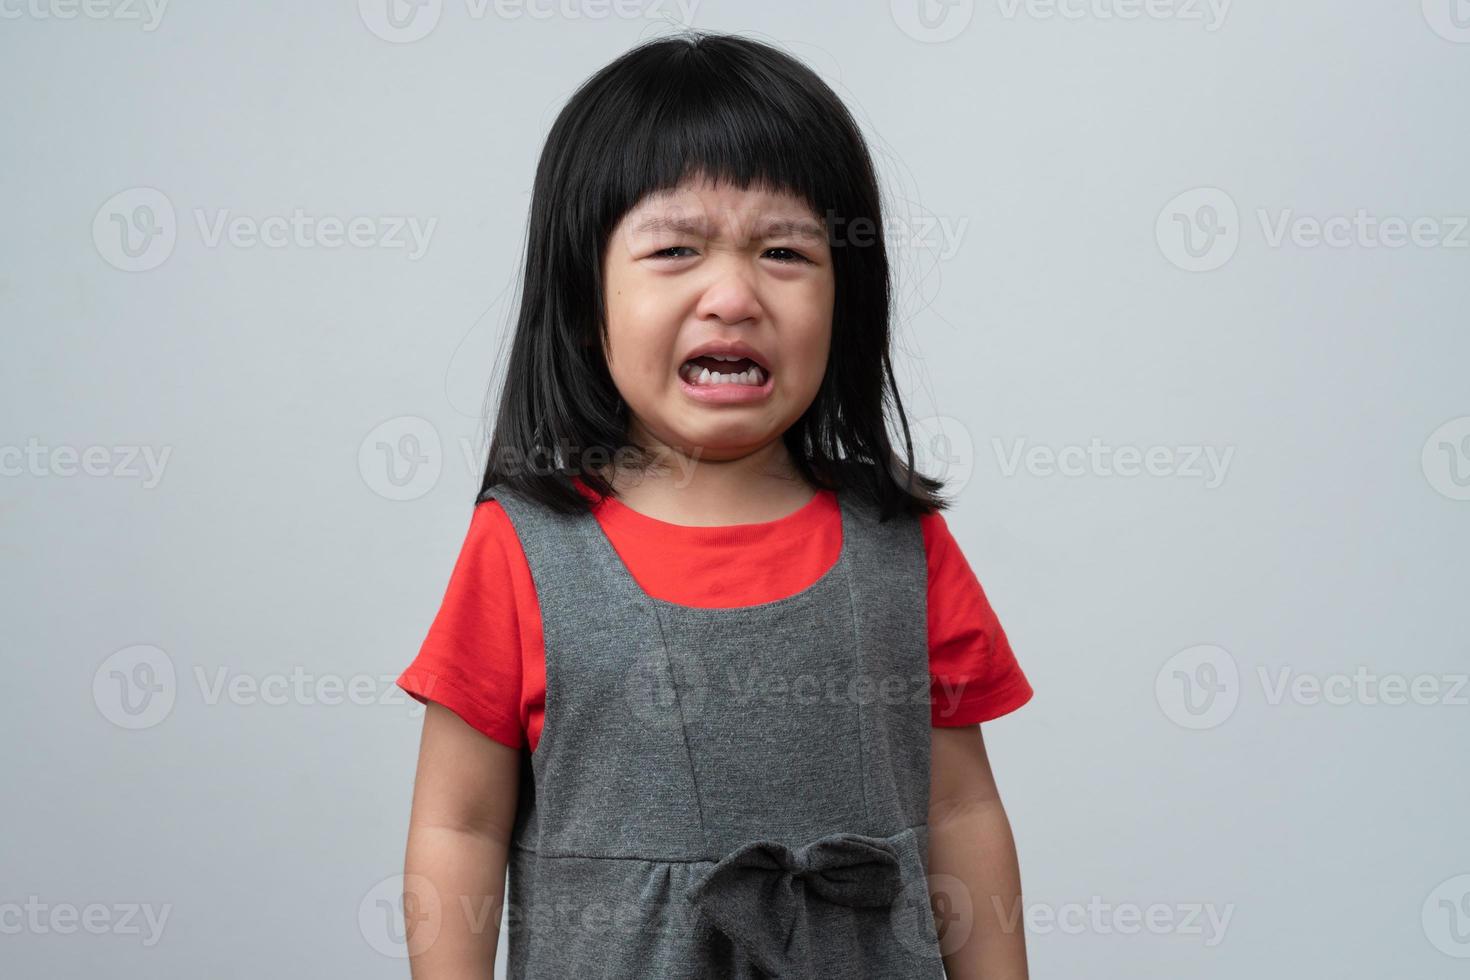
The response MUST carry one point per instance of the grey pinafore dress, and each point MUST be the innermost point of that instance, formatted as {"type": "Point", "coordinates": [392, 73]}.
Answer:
{"type": "Point", "coordinates": [725, 794]}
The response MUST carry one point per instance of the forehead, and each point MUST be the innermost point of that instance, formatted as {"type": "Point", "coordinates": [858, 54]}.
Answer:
{"type": "Point", "coordinates": [722, 211]}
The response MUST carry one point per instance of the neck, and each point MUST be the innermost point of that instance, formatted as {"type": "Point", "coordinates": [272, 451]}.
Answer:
{"type": "Point", "coordinates": [682, 488]}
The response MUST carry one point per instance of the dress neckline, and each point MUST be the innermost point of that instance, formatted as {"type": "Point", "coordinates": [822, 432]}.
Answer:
{"type": "Point", "coordinates": [804, 520]}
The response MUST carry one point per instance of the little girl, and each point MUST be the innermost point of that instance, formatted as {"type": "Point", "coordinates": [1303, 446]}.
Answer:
{"type": "Point", "coordinates": [707, 678]}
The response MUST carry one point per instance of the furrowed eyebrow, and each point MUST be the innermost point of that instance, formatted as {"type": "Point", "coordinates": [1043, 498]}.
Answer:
{"type": "Point", "coordinates": [805, 229]}
{"type": "Point", "coordinates": [671, 222]}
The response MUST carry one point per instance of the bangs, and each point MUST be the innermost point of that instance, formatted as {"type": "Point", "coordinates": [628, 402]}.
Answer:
{"type": "Point", "coordinates": [706, 108]}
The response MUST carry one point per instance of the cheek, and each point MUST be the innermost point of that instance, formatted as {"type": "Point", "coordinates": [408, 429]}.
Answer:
{"type": "Point", "coordinates": [639, 355]}
{"type": "Point", "coordinates": [643, 325]}
{"type": "Point", "coordinates": [811, 351]}
{"type": "Point", "coordinates": [814, 339]}
{"type": "Point", "coordinates": [814, 369]}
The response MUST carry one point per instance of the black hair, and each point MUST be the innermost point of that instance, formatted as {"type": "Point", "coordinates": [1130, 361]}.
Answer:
{"type": "Point", "coordinates": [736, 111]}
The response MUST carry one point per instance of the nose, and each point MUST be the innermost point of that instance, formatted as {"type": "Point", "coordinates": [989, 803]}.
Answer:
{"type": "Point", "coordinates": [729, 297]}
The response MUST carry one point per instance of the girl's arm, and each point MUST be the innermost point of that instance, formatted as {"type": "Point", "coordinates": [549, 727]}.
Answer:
{"type": "Point", "coordinates": [970, 844]}
{"type": "Point", "coordinates": [464, 805]}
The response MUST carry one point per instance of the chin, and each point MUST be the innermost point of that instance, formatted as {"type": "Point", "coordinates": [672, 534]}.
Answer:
{"type": "Point", "coordinates": [722, 442]}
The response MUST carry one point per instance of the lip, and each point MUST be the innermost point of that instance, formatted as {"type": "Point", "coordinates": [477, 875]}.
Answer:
{"type": "Point", "coordinates": [731, 348]}
{"type": "Point", "coordinates": [729, 394]}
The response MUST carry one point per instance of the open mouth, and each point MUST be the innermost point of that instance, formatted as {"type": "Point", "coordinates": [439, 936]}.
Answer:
{"type": "Point", "coordinates": [709, 370]}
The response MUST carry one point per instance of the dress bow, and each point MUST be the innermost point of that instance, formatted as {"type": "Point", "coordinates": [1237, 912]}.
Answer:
{"type": "Point", "coordinates": [757, 894]}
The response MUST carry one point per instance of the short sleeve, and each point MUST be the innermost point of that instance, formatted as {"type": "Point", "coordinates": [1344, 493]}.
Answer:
{"type": "Point", "coordinates": [973, 674]}
{"type": "Point", "coordinates": [471, 660]}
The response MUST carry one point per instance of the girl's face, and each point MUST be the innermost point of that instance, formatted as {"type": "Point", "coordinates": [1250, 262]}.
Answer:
{"type": "Point", "coordinates": [719, 304]}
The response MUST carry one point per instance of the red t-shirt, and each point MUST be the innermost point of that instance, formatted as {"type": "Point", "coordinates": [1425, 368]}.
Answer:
{"type": "Point", "coordinates": [485, 658]}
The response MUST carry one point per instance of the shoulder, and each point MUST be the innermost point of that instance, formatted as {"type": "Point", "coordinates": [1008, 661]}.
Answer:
{"type": "Point", "coordinates": [491, 590]}
{"type": "Point", "coordinates": [491, 548]}
{"type": "Point", "coordinates": [490, 525]}
{"type": "Point", "coordinates": [529, 511]}
{"type": "Point", "coordinates": [950, 571]}
{"type": "Point", "coordinates": [475, 657]}
{"type": "Point", "coordinates": [939, 542]}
